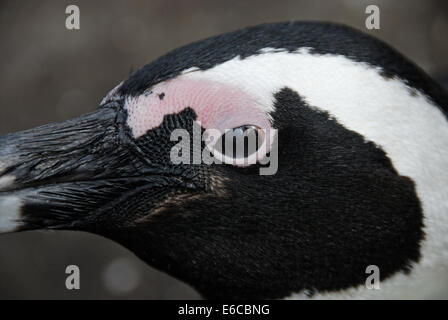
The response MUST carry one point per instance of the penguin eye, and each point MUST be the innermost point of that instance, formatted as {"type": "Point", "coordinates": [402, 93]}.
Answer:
{"type": "Point", "coordinates": [238, 146]}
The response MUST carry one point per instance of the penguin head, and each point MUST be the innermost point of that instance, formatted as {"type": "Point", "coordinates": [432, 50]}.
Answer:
{"type": "Point", "coordinates": [317, 200]}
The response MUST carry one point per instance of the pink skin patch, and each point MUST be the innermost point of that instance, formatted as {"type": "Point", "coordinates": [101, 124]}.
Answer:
{"type": "Point", "coordinates": [217, 106]}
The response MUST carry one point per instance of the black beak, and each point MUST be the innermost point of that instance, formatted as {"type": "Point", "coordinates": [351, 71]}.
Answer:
{"type": "Point", "coordinates": [60, 175]}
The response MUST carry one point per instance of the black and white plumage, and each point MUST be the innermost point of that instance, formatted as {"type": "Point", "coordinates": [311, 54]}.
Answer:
{"type": "Point", "coordinates": [362, 171]}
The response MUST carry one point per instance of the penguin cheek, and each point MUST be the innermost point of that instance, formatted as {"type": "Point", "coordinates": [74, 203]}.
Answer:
{"type": "Point", "coordinates": [218, 108]}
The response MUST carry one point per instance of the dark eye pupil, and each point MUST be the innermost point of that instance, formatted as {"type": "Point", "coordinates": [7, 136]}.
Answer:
{"type": "Point", "coordinates": [239, 142]}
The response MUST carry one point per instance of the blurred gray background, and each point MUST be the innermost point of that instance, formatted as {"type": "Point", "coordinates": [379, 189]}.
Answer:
{"type": "Point", "coordinates": [49, 73]}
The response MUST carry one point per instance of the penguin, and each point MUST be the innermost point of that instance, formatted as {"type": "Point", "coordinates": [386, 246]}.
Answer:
{"type": "Point", "coordinates": [355, 135]}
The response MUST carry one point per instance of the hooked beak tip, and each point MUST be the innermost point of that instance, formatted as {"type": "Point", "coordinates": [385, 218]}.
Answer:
{"type": "Point", "coordinates": [10, 206]}
{"type": "Point", "coordinates": [10, 213]}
